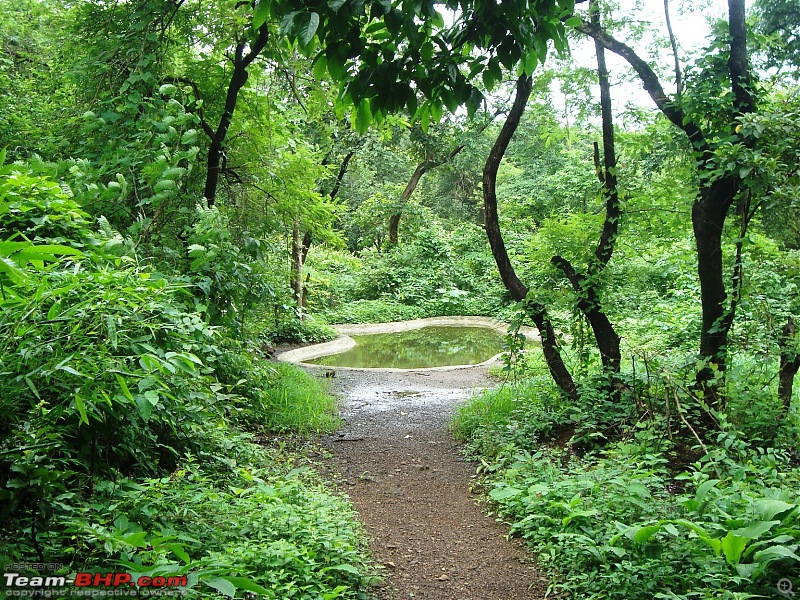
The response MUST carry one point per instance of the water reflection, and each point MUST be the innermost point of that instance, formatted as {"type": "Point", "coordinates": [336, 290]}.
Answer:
{"type": "Point", "coordinates": [437, 346]}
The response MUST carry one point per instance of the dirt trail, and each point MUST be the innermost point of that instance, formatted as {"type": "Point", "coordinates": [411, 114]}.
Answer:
{"type": "Point", "coordinates": [411, 487]}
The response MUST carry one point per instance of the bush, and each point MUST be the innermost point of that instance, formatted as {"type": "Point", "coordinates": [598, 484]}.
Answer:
{"type": "Point", "coordinates": [118, 448]}
{"type": "Point", "coordinates": [309, 330]}
{"type": "Point", "coordinates": [622, 513]}
{"type": "Point", "coordinates": [610, 526]}
{"type": "Point", "coordinates": [372, 311]}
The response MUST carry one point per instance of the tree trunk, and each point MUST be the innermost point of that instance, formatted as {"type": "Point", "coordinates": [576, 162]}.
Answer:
{"type": "Point", "coordinates": [605, 335]}
{"type": "Point", "coordinates": [708, 218]}
{"type": "Point", "coordinates": [790, 364]}
{"type": "Point", "coordinates": [422, 168]}
{"type": "Point", "coordinates": [394, 220]}
{"type": "Point", "coordinates": [296, 269]}
{"type": "Point", "coordinates": [587, 287]}
{"type": "Point", "coordinates": [394, 228]}
{"type": "Point", "coordinates": [241, 62]}
{"type": "Point", "coordinates": [516, 288]}
{"type": "Point", "coordinates": [714, 198]}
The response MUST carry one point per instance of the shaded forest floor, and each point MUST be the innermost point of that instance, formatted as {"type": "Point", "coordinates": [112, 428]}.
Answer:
{"type": "Point", "coordinates": [412, 488]}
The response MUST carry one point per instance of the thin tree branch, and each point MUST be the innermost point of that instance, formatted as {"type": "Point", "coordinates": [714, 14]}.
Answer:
{"type": "Point", "coordinates": [674, 43]}
{"type": "Point", "coordinates": [651, 83]}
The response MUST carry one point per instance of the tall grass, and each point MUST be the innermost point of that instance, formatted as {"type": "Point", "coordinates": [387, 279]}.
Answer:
{"type": "Point", "coordinates": [297, 401]}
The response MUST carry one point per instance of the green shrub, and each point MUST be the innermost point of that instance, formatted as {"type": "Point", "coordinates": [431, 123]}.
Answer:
{"type": "Point", "coordinates": [610, 525]}
{"type": "Point", "coordinates": [372, 311]}
{"type": "Point", "coordinates": [285, 398]}
{"type": "Point", "coordinates": [618, 522]}
{"type": "Point", "coordinates": [118, 449]}
{"type": "Point", "coordinates": [291, 329]}
{"type": "Point", "coordinates": [37, 209]}
{"type": "Point", "coordinates": [267, 527]}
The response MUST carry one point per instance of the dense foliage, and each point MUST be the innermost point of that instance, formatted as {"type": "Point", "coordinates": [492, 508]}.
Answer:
{"type": "Point", "coordinates": [130, 416]}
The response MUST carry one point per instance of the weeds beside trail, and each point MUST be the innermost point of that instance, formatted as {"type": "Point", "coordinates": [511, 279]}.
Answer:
{"type": "Point", "coordinates": [632, 511]}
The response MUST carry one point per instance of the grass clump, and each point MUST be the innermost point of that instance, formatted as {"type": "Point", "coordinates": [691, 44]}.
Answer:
{"type": "Point", "coordinates": [297, 401]}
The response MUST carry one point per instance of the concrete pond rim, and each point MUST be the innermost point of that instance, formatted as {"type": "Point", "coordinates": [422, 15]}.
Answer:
{"type": "Point", "coordinates": [344, 342]}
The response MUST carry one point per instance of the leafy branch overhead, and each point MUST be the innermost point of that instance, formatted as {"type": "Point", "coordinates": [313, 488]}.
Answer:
{"type": "Point", "coordinates": [421, 57]}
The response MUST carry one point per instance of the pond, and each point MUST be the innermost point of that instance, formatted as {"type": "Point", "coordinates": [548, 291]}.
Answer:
{"type": "Point", "coordinates": [426, 347]}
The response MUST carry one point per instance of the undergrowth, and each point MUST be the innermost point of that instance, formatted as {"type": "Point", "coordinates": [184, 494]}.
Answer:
{"type": "Point", "coordinates": [616, 506]}
{"type": "Point", "coordinates": [130, 414]}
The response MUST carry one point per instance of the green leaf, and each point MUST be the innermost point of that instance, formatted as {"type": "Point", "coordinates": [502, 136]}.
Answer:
{"type": "Point", "coordinates": [69, 370]}
{"type": "Point", "coordinates": [573, 22]}
{"type": "Point", "coordinates": [488, 80]}
{"type": "Point", "coordinates": [437, 110]}
{"type": "Point", "coordinates": [504, 493]}
{"type": "Point", "coordinates": [81, 406]}
{"type": "Point", "coordinates": [243, 583]}
{"type": "Point", "coordinates": [178, 551]}
{"type": "Point", "coordinates": [774, 553]}
{"type": "Point", "coordinates": [111, 326]}
{"type": "Point", "coordinates": [10, 268]}
{"type": "Point", "coordinates": [363, 116]}
{"type": "Point", "coordinates": [152, 397]}
{"type": "Point", "coordinates": [123, 386]}
{"type": "Point", "coordinates": [767, 509]}
{"type": "Point", "coordinates": [307, 33]}
{"type": "Point", "coordinates": [754, 530]}
{"type": "Point", "coordinates": [344, 567]}
{"type": "Point", "coordinates": [261, 13]}
{"type": "Point", "coordinates": [643, 534]}
{"type": "Point", "coordinates": [320, 67]}
{"type": "Point", "coordinates": [222, 585]}
{"type": "Point", "coordinates": [136, 539]}
{"type": "Point", "coordinates": [698, 502]}
{"type": "Point", "coordinates": [531, 60]}
{"type": "Point", "coordinates": [733, 546]}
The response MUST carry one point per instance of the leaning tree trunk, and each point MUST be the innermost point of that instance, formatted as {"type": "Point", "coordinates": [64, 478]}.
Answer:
{"type": "Point", "coordinates": [245, 53]}
{"type": "Point", "coordinates": [516, 288]}
{"type": "Point", "coordinates": [423, 167]}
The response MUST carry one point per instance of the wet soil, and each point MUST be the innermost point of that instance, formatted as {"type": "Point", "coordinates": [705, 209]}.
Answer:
{"type": "Point", "coordinates": [414, 490]}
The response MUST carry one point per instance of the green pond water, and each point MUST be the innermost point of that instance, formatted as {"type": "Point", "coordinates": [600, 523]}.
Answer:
{"type": "Point", "coordinates": [437, 346]}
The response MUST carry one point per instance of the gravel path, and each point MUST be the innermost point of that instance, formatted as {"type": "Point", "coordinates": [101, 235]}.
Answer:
{"type": "Point", "coordinates": [411, 486]}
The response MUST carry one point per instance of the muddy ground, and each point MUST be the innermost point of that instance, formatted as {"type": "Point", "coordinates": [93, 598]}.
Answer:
{"type": "Point", "coordinates": [414, 490]}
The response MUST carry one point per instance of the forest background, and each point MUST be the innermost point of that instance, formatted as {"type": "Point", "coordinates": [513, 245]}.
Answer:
{"type": "Point", "coordinates": [185, 185]}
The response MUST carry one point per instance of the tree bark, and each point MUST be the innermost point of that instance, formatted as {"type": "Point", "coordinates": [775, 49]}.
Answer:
{"type": "Point", "coordinates": [714, 198]}
{"type": "Point", "coordinates": [790, 364]}
{"type": "Point", "coordinates": [296, 269]}
{"type": "Point", "coordinates": [587, 287]}
{"type": "Point", "coordinates": [606, 337]}
{"type": "Point", "coordinates": [241, 61]}
{"type": "Point", "coordinates": [513, 284]}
